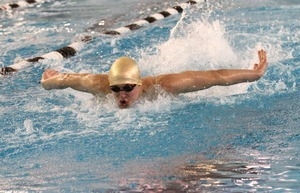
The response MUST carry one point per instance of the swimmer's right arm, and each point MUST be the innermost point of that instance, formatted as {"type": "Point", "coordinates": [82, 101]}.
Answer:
{"type": "Point", "coordinates": [91, 83]}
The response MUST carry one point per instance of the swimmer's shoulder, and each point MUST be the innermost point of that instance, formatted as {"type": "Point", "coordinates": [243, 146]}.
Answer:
{"type": "Point", "coordinates": [148, 82]}
{"type": "Point", "coordinates": [151, 85]}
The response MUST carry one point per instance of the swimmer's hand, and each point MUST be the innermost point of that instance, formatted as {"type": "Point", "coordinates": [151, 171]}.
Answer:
{"type": "Point", "coordinates": [50, 79]}
{"type": "Point", "coordinates": [261, 67]}
{"type": "Point", "coordinates": [49, 73]}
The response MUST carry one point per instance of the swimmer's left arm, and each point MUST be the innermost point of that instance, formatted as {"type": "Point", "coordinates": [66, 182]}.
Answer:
{"type": "Point", "coordinates": [189, 81]}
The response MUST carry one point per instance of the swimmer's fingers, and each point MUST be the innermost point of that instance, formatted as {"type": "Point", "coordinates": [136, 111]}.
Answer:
{"type": "Point", "coordinates": [262, 57]}
{"type": "Point", "coordinates": [49, 73]}
{"type": "Point", "coordinates": [263, 63]}
{"type": "Point", "coordinates": [261, 67]}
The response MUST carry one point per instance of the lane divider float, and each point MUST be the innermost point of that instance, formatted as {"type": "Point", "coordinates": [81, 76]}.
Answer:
{"type": "Point", "coordinates": [19, 4]}
{"type": "Point", "coordinates": [72, 49]}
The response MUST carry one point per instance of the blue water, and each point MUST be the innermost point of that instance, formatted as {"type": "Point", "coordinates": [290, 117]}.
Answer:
{"type": "Point", "coordinates": [243, 138]}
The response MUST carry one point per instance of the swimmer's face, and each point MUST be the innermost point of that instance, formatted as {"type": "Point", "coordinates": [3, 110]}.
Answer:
{"type": "Point", "coordinates": [125, 94]}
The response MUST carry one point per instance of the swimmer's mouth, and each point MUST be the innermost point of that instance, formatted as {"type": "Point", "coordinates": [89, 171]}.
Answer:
{"type": "Point", "coordinates": [123, 104]}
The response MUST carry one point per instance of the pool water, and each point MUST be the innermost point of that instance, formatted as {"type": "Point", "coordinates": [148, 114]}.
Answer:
{"type": "Point", "coordinates": [242, 138]}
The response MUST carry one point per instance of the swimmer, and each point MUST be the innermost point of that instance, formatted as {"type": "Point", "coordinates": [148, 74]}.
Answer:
{"type": "Point", "coordinates": [127, 86]}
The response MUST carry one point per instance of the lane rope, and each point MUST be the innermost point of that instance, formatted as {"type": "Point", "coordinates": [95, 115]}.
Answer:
{"type": "Point", "coordinates": [72, 49]}
{"type": "Point", "coordinates": [19, 4]}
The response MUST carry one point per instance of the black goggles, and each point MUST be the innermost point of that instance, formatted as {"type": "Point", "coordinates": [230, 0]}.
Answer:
{"type": "Point", "coordinates": [126, 88]}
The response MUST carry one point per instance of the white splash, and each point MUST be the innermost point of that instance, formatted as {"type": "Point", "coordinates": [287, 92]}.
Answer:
{"type": "Point", "coordinates": [191, 46]}
{"type": "Point", "coordinates": [196, 45]}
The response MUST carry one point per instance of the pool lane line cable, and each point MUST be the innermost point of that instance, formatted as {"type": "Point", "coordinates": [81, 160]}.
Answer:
{"type": "Point", "coordinates": [72, 49]}
{"type": "Point", "coordinates": [19, 4]}
{"type": "Point", "coordinates": [152, 18]}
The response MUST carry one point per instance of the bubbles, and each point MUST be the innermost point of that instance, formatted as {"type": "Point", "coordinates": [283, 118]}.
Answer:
{"type": "Point", "coordinates": [102, 116]}
{"type": "Point", "coordinates": [28, 126]}
{"type": "Point", "coordinates": [68, 139]}
{"type": "Point", "coordinates": [198, 41]}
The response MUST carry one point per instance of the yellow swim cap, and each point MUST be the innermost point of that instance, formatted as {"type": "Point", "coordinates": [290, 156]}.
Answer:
{"type": "Point", "coordinates": [124, 71]}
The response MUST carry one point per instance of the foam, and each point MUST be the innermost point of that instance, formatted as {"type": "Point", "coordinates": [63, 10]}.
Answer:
{"type": "Point", "coordinates": [187, 48]}
{"type": "Point", "coordinates": [196, 45]}
{"type": "Point", "coordinates": [191, 46]}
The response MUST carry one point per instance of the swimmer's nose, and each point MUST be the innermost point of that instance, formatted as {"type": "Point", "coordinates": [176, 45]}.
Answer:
{"type": "Point", "coordinates": [122, 94]}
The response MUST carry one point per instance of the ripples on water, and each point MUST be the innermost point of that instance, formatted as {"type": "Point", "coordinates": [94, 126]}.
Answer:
{"type": "Point", "coordinates": [243, 138]}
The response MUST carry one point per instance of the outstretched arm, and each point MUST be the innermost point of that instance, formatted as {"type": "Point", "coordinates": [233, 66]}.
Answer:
{"type": "Point", "coordinates": [189, 81]}
{"type": "Point", "coordinates": [91, 83]}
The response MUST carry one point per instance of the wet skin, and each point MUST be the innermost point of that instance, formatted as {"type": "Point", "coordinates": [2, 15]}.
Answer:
{"type": "Point", "coordinates": [125, 99]}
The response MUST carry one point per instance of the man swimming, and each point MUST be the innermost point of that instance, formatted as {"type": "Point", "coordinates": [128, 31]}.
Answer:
{"type": "Point", "coordinates": [126, 84]}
